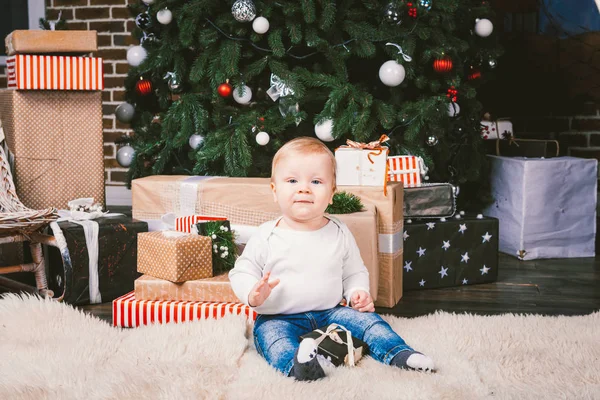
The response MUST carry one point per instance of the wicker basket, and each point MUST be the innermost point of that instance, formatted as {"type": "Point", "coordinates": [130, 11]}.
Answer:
{"type": "Point", "coordinates": [15, 218]}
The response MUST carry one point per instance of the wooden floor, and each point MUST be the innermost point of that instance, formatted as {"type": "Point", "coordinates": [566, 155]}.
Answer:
{"type": "Point", "coordinates": [547, 287]}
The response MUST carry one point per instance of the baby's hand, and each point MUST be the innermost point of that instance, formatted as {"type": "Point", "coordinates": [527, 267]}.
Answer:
{"type": "Point", "coordinates": [362, 301]}
{"type": "Point", "coordinates": [261, 290]}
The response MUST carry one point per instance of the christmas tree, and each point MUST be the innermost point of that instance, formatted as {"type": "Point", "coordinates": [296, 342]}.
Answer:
{"type": "Point", "coordinates": [216, 87]}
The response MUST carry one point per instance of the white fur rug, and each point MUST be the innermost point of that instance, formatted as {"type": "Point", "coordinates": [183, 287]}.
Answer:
{"type": "Point", "coordinates": [52, 351]}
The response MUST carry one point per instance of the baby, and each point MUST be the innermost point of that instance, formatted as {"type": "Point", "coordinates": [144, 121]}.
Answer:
{"type": "Point", "coordinates": [295, 271]}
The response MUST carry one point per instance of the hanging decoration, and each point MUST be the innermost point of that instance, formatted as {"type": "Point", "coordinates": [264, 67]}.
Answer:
{"type": "Point", "coordinates": [483, 27]}
{"type": "Point", "coordinates": [143, 87]}
{"type": "Point", "coordinates": [452, 93]}
{"type": "Point", "coordinates": [262, 138]}
{"type": "Point", "coordinates": [432, 140]}
{"type": "Point", "coordinates": [243, 10]}
{"type": "Point", "coordinates": [125, 112]}
{"type": "Point", "coordinates": [174, 82]}
{"type": "Point", "coordinates": [442, 65]}
{"type": "Point", "coordinates": [412, 10]}
{"type": "Point", "coordinates": [391, 13]}
{"type": "Point", "coordinates": [453, 109]}
{"type": "Point", "coordinates": [224, 89]}
{"type": "Point", "coordinates": [474, 73]}
{"type": "Point", "coordinates": [143, 21]}
{"type": "Point", "coordinates": [164, 16]}
{"type": "Point", "coordinates": [324, 130]}
{"type": "Point", "coordinates": [260, 25]}
{"type": "Point", "coordinates": [425, 4]}
{"type": "Point", "coordinates": [125, 156]}
{"type": "Point", "coordinates": [195, 141]}
{"type": "Point", "coordinates": [136, 55]}
{"type": "Point", "coordinates": [391, 73]}
{"type": "Point", "coordinates": [492, 63]}
{"type": "Point", "coordinates": [244, 97]}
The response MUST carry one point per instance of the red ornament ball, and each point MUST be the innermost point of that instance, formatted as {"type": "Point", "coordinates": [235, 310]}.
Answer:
{"type": "Point", "coordinates": [224, 90]}
{"type": "Point", "coordinates": [143, 87]}
{"type": "Point", "coordinates": [442, 65]}
{"type": "Point", "coordinates": [474, 73]}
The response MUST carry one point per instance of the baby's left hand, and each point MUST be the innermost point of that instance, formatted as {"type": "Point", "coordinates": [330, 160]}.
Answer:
{"type": "Point", "coordinates": [362, 301]}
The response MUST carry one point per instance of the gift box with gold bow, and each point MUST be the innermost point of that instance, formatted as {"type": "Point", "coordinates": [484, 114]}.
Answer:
{"type": "Point", "coordinates": [362, 164]}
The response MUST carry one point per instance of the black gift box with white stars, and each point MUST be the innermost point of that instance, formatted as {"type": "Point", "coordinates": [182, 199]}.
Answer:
{"type": "Point", "coordinates": [450, 252]}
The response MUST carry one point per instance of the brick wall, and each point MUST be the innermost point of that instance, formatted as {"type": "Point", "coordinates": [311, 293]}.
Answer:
{"type": "Point", "coordinates": [111, 19]}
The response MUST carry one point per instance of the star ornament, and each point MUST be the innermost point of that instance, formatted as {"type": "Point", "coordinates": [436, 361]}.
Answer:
{"type": "Point", "coordinates": [486, 237]}
{"type": "Point", "coordinates": [405, 235]}
{"type": "Point", "coordinates": [465, 258]}
{"type": "Point", "coordinates": [465, 281]}
{"type": "Point", "coordinates": [484, 270]}
{"type": "Point", "coordinates": [421, 252]}
{"type": "Point", "coordinates": [462, 228]}
{"type": "Point", "coordinates": [422, 282]}
{"type": "Point", "coordinates": [443, 272]}
{"type": "Point", "coordinates": [407, 266]}
{"type": "Point", "coordinates": [430, 225]}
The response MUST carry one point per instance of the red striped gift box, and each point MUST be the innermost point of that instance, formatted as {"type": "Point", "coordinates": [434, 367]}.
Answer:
{"type": "Point", "coordinates": [39, 72]}
{"type": "Point", "coordinates": [184, 224]}
{"type": "Point", "coordinates": [129, 312]}
{"type": "Point", "coordinates": [407, 169]}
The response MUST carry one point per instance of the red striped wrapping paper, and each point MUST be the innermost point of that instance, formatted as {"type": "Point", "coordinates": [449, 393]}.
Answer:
{"type": "Point", "coordinates": [129, 312]}
{"type": "Point", "coordinates": [407, 169]}
{"type": "Point", "coordinates": [39, 72]}
{"type": "Point", "coordinates": [184, 224]}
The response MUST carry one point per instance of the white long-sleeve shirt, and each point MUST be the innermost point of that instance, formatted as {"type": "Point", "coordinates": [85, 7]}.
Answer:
{"type": "Point", "coordinates": [316, 268]}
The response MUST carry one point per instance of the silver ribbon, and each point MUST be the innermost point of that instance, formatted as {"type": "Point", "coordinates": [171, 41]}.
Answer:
{"type": "Point", "coordinates": [278, 88]}
{"type": "Point", "coordinates": [332, 332]}
{"type": "Point", "coordinates": [406, 57]}
{"type": "Point", "coordinates": [390, 243]}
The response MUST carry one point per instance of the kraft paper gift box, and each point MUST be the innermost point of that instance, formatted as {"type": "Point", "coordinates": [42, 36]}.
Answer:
{"type": "Point", "coordinates": [129, 312]}
{"type": "Point", "coordinates": [39, 72]}
{"type": "Point", "coordinates": [217, 288]}
{"type": "Point", "coordinates": [546, 207]}
{"type": "Point", "coordinates": [175, 256]}
{"type": "Point", "coordinates": [248, 202]}
{"type": "Point", "coordinates": [47, 41]}
{"type": "Point", "coordinates": [407, 169]}
{"type": "Point", "coordinates": [56, 140]}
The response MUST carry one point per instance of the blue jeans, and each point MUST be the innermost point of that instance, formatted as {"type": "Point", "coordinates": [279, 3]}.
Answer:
{"type": "Point", "coordinates": [277, 337]}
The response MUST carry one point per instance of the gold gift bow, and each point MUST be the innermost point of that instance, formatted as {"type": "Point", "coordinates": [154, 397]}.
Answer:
{"type": "Point", "coordinates": [377, 150]}
{"type": "Point", "coordinates": [331, 332]}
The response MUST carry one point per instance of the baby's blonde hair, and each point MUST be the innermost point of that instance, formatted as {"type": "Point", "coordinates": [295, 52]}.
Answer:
{"type": "Point", "coordinates": [303, 145]}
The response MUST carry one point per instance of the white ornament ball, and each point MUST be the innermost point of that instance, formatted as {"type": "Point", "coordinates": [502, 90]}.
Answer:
{"type": "Point", "coordinates": [148, 2]}
{"type": "Point", "coordinates": [136, 55]}
{"type": "Point", "coordinates": [196, 141]}
{"type": "Point", "coordinates": [324, 130]}
{"type": "Point", "coordinates": [479, 216]}
{"type": "Point", "coordinates": [125, 156]}
{"type": "Point", "coordinates": [391, 73]}
{"type": "Point", "coordinates": [164, 16]}
{"type": "Point", "coordinates": [462, 213]}
{"type": "Point", "coordinates": [260, 25]}
{"type": "Point", "coordinates": [483, 27]}
{"type": "Point", "coordinates": [243, 98]}
{"type": "Point", "coordinates": [453, 109]}
{"type": "Point", "coordinates": [262, 138]}
{"type": "Point", "coordinates": [125, 112]}
{"type": "Point", "coordinates": [442, 219]}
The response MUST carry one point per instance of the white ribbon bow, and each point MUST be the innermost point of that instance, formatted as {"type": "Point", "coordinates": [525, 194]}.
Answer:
{"type": "Point", "coordinates": [332, 332]}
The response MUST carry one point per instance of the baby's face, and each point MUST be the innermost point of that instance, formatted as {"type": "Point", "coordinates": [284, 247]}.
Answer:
{"type": "Point", "coordinates": [303, 186]}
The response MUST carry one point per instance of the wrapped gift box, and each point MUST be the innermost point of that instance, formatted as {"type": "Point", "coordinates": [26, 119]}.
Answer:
{"type": "Point", "coordinates": [333, 345]}
{"type": "Point", "coordinates": [406, 169]}
{"type": "Point", "coordinates": [248, 202]}
{"type": "Point", "coordinates": [216, 288]}
{"type": "Point", "coordinates": [184, 224]}
{"type": "Point", "coordinates": [500, 129]}
{"type": "Point", "coordinates": [129, 312]}
{"type": "Point", "coordinates": [69, 272]}
{"type": "Point", "coordinates": [447, 253]}
{"type": "Point", "coordinates": [46, 41]}
{"type": "Point", "coordinates": [546, 207]}
{"type": "Point", "coordinates": [56, 140]}
{"type": "Point", "coordinates": [175, 256]}
{"type": "Point", "coordinates": [525, 148]}
{"type": "Point", "coordinates": [432, 200]}
{"type": "Point", "coordinates": [361, 167]}
{"type": "Point", "coordinates": [38, 72]}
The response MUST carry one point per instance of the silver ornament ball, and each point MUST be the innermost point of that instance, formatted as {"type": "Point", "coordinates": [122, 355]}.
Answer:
{"type": "Point", "coordinates": [244, 97]}
{"type": "Point", "coordinates": [492, 63]}
{"type": "Point", "coordinates": [125, 112]}
{"type": "Point", "coordinates": [432, 140]}
{"type": "Point", "coordinates": [164, 16]}
{"type": "Point", "coordinates": [243, 10]}
{"type": "Point", "coordinates": [324, 131]}
{"type": "Point", "coordinates": [136, 55]}
{"type": "Point", "coordinates": [175, 84]}
{"type": "Point", "coordinates": [125, 156]}
{"type": "Point", "coordinates": [196, 141]}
